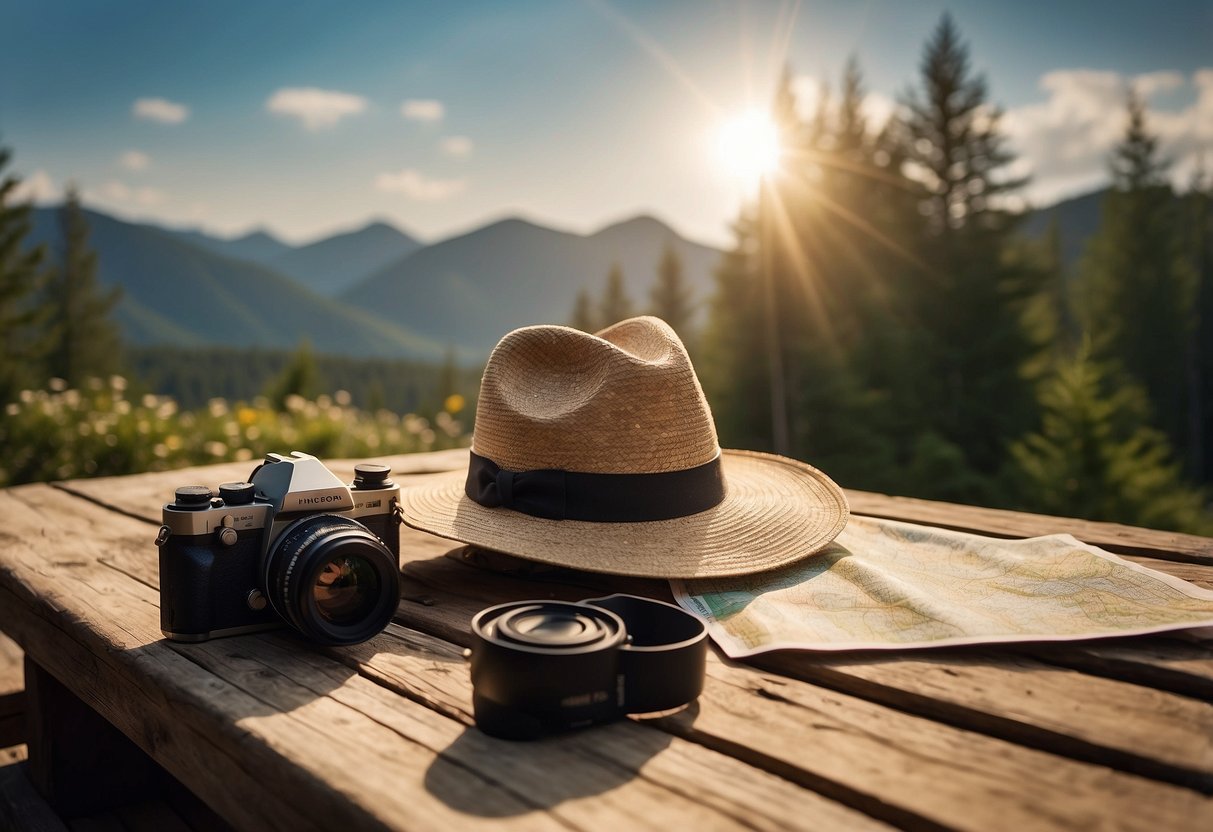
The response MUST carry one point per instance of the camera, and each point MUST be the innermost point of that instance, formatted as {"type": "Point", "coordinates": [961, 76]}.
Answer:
{"type": "Point", "coordinates": [293, 545]}
{"type": "Point", "coordinates": [541, 667]}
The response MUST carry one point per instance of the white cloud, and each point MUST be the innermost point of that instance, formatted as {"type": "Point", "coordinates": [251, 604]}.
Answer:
{"type": "Point", "coordinates": [456, 145]}
{"type": "Point", "coordinates": [120, 192]}
{"type": "Point", "coordinates": [316, 108]}
{"type": "Point", "coordinates": [423, 109]}
{"type": "Point", "coordinates": [161, 110]}
{"type": "Point", "coordinates": [37, 188]}
{"type": "Point", "coordinates": [416, 185]}
{"type": "Point", "coordinates": [1065, 140]}
{"type": "Point", "coordinates": [1156, 82]}
{"type": "Point", "coordinates": [134, 160]}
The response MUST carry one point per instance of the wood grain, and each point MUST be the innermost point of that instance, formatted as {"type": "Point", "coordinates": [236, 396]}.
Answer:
{"type": "Point", "coordinates": [998, 522]}
{"type": "Point", "coordinates": [1174, 667]}
{"type": "Point", "coordinates": [274, 735]}
{"type": "Point", "coordinates": [927, 741]}
{"type": "Point", "coordinates": [419, 666]}
{"type": "Point", "coordinates": [839, 759]}
{"type": "Point", "coordinates": [1127, 726]}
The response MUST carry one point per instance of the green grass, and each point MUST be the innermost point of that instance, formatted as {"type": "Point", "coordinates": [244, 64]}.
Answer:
{"type": "Point", "coordinates": [63, 433]}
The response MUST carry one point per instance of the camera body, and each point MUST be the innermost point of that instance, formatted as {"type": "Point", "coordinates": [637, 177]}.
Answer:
{"type": "Point", "coordinates": [290, 546]}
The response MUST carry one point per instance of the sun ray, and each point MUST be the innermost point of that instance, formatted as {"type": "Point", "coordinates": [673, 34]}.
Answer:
{"type": "Point", "coordinates": [784, 232]}
{"type": "Point", "coordinates": [645, 41]}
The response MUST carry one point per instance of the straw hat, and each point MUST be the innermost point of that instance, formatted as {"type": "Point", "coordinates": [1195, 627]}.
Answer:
{"type": "Point", "coordinates": [598, 452]}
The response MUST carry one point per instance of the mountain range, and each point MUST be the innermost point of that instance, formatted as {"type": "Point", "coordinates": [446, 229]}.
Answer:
{"type": "Point", "coordinates": [378, 291]}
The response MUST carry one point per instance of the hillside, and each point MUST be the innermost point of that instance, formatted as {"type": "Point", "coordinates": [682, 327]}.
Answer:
{"type": "Point", "coordinates": [332, 265]}
{"type": "Point", "coordinates": [258, 246]}
{"type": "Point", "coordinates": [182, 294]}
{"type": "Point", "coordinates": [1077, 220]}
{"type": "Point", "coordinates": [472, 289]}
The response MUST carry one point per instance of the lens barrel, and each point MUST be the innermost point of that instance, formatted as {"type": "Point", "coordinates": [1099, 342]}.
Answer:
{"type": "Point", "coordinates": [543, 666]}
{"type": "Point", "coordinates": [664, 660]}
{"type": "Point", "coordinates": [332, 579]}
{"type": "Point", "coordinates": [540, 667]}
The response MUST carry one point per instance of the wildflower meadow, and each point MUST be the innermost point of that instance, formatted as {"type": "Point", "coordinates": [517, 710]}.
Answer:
{"type": "Point", "coordinates": [103, 429]}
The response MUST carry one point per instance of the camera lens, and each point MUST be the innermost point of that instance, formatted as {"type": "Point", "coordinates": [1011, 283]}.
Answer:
{"type": "Point", "coordinates": [346, 590]}
{"type": "Point", "coordinates": [543, 666]}
{"type": "Point", "coordinates": [549, 626]}
{"type": "Point", "coordinates": [332, 579]}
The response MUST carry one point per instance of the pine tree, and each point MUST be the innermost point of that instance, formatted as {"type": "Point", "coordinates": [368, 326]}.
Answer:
{"type": "Point", "coordinates": [734, 370]}
{"type": "Point", "coordinates": [1095, 456]}
{"type": "Point", "coordinates": [790, 298]}
{"type": "Point", "coordinates": [583, 317]}
{"type": "Point", "coordinates": [84, 340]}
{"type": "Point", "coordinates": [1200, 353]}
{"type": "Point", "coordinates": [616, 305]}
{"type": "Point", "coordinates": [22, 346]}
{"type": "Point", "coordinates": [1138, 289]}
{"type": "Point", "coordinates": [969, 303]}
{"type": "Point", "coordinates": [298, 378]}
{"type": "Point", "coordinates": [671, 298]}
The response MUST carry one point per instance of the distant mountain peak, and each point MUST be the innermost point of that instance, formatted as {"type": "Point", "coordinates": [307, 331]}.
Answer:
{"type": "Point", "coordinates": [511, 222]}
{"type": "Point", "coordinates": [258, 235]}
{"type": "Point", "coordinates": [646, 223]}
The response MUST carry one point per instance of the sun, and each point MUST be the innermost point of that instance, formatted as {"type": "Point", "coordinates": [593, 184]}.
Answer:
{"type": "Point", "coordinates": [747, 146]}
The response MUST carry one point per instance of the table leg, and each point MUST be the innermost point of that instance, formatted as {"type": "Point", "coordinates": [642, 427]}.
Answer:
{"type": "Point", "coordinates": [78, 761]}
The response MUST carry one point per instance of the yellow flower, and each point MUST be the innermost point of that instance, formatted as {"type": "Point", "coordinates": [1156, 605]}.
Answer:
{"type": "Point", "coordinates": [454, 403]}
{"type": "Point", "coordinates": [246, 416]}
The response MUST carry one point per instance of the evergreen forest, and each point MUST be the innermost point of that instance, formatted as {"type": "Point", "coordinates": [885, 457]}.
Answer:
{"type": "Point", "coordinates": [881, 314]}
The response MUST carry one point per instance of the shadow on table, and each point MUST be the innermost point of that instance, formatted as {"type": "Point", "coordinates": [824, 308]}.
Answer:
{"type": "Point", "coordinates": [487, 777]}
{"type": "Point", "coordinates": [541, 773]}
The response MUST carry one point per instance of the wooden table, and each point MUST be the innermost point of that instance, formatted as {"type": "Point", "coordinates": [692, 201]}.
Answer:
{"type": "Point", "coordinates": [275, 734]}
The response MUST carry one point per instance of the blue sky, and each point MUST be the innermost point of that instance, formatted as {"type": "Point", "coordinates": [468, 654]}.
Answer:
{"type": "Point", "coordinates": [293, 115]}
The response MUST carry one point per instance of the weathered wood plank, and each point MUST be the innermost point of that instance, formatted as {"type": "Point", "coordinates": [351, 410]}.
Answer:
{"type": "Point", "coordinates": [259, 766]}
{"type": "Point", "coordinates": [396, 762]}
{"type": "Point", "coordinates": [144, 494]}
{"type": "Point", "coordinates": [853, 790]}
{"type": "Point", "coordinates": [1196, 573]}
{"type": "Point", "coordinates": [419, 666]}
{"type": "Point", "coordinates": [621, 771]}
{"type": "Point", "coordinates": [1145, 731]}
{"type": "Point", "coordinates": [11, 680]}
{"type": "Point", "coordinates": [21, 807]}
{"type": "Point", "coordinates": [998, 522]}
{"type": "Point", "coordinates": [1159, 666]}
{"type": "Point", "coordinates": [870, 757]}
{"type": "Point", "coordinates": [78, 761]}
{"type": "Point", "coordinates": [743, 792]}
{"type": "Point", "coordinates": [12, 719]}
{"type": "Point", "coordinates": [901, 768]}
{"type": "Point", "coordinates": [1166, 664]}
{"type": "Point", "coordinates": [12, 696]}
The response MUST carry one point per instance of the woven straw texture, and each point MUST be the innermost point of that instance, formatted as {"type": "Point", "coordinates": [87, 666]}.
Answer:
{"type": "Point", "coordinates": [776, 512]}
{"type": "Point", "coordinates": [624, 401]}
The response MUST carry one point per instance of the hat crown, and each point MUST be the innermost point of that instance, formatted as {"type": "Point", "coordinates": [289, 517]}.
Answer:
{"type": "Point", "coordinates": [623, 401]}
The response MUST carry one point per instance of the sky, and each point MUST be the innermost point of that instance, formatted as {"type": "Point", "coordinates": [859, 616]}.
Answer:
{"type": "Point", "coordinates": [306, 118]}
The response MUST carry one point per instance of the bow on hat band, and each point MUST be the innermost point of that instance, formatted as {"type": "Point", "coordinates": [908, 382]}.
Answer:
{"type": "Point", "coordinates": [603, 498]}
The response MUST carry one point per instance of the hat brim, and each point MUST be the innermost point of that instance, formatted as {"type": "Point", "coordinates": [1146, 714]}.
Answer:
{"type": "Point", "coordinates": [776, 511]}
